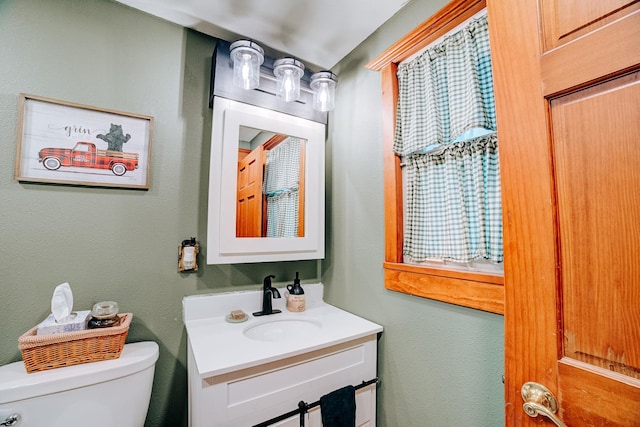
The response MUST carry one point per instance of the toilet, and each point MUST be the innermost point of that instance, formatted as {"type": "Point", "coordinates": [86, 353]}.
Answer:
{"type": "Point", "coordinates": [98, 394]}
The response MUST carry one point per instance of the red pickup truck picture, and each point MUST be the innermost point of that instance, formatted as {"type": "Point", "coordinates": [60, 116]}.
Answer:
{"type": "Point", "coordinates": [85, 154]}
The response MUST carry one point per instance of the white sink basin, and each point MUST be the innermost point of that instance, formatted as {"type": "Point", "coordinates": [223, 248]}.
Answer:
{"type": "Point", "coordinates": [282, 329]}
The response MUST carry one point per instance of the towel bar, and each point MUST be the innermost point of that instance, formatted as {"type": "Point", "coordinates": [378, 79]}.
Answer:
{"type": "Point", "coordinates": [304, 407]}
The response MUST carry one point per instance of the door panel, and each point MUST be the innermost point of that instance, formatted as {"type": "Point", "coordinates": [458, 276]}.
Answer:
{"type": "Point", "coordinates": [608, 51]}
{"type": "Point", "coordinates": [586, 391]}
{"type": "Point", "coordinates": [597, 168]}
{"type": "Point", "coordinates": [567, 101]}
{"type": "Point", "coordinates": [566, 20]}
{"type": "Point", "coordinates": [249, 203]}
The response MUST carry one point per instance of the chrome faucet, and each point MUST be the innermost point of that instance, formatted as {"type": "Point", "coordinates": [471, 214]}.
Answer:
{"type": "Point", "coordinates": [268, 293]}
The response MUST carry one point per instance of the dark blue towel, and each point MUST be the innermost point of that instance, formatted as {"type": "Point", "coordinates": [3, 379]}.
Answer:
{"type": "Point", "coordinates": [338, 408]}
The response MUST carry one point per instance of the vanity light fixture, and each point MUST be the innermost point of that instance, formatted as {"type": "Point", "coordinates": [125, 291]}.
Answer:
{"type": "Point", "coordinates": [247, 57]}
{"type": "Point", "coordinates": [323, 85]}
{"type": "Point", "coordinates": [288, 72]}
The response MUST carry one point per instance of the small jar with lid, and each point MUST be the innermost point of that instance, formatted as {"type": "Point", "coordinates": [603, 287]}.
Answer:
{"type": "Point", "coordinates": [103, 315]}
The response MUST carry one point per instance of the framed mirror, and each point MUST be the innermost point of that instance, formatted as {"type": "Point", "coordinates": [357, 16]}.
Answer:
{"type": "Point", "coordinates": [266, 186]}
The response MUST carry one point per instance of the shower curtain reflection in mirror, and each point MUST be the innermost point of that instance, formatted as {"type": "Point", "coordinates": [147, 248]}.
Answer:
{"type": "Point", "coordinates": [270, 184]}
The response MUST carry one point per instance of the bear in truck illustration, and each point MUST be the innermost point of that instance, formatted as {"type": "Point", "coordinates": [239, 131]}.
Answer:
{"type": "Point", "coordinates": [86, 154]}
{"type": "Point", "coordinates": [115, 138]}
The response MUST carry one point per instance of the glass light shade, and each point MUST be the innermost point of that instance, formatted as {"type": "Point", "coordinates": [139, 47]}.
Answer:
{"type": "Point", "coordinates": [288, 72]}
{"type": "Point", "coordinates": [247, 56]}
{"type": "Point", "coordinates": [323, 85]}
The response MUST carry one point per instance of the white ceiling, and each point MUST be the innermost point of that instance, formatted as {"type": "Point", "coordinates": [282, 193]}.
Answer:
{"type": "Point", "coordinates": [320, 33]}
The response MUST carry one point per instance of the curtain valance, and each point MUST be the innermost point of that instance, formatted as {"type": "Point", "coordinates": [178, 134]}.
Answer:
{"type": "Point", "coordinates": [446, 91]}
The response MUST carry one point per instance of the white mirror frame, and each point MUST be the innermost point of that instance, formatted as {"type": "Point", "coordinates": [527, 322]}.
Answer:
{"type": "Point", "coordinates": [223, 247]}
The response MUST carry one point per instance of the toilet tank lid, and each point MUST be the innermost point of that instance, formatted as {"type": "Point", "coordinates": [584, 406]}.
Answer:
{"type": "Point", "coordinates": [16, 384]}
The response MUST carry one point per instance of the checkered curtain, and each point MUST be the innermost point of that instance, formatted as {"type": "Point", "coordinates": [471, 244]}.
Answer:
{"type": "Point", "coordinates": [280, 185]}
{"type": "Point", "coordinates": [453, 203]}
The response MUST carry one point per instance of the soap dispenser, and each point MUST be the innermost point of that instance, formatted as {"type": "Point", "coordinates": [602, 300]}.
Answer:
{"type": "Point", "coordinates": [296, 299]}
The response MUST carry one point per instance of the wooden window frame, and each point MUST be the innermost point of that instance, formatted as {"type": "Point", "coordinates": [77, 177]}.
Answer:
{"type": "Point", "coordinates": [477, 290]}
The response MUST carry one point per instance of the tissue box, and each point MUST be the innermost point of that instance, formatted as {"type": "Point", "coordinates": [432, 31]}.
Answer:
{"type": "Point", "coordinates": [77, 323]}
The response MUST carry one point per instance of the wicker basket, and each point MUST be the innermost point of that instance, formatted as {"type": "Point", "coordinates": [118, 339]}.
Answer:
{"type": "Point", "coordinates": [42, 352]}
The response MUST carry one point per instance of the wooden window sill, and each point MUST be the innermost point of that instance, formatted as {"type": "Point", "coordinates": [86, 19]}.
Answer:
{"type": "Point", "coordinates": [481, 291]}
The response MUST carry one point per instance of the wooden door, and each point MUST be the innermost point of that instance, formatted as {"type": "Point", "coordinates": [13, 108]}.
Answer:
{"type": "Point", "coordinates": [566, 76]}
{"type": "Point", "coordinates": [249, 203]}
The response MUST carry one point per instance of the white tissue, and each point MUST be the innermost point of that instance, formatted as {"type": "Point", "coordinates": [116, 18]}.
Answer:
{"type": "Point", "coordinates": [62, 318]}
{"type": "Point", "coordinates": [62, 303]}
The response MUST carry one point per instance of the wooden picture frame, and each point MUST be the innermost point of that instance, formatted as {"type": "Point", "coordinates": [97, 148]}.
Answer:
{"type": "Point", "coordinates": [65, 143]}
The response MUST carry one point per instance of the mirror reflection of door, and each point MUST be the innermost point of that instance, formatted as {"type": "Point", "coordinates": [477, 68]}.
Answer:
{"type": "Point", "coordinates": [249, 200]}
{"type": "Point", "coordinates": [270, 187]}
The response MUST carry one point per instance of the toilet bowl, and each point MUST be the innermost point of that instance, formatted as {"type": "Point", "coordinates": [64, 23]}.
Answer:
{"type": "Point", "coordinates": [99, 394]}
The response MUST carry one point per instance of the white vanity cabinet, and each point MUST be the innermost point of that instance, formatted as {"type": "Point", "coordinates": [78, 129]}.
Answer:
{"type": "Point", "coordinates": [254, 395]}
{"type": "Point", "coordinates": [238, 380]}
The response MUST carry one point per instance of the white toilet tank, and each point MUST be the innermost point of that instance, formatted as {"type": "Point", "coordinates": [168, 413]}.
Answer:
{"type": "Point", "coordinates": [99, 394]}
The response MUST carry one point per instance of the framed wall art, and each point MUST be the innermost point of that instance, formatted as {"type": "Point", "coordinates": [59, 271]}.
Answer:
{"type": "Point", "coordinates": [65, 143]}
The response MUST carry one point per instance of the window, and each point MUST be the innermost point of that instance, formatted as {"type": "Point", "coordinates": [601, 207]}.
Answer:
{"type": "Point", "coordinates": [445, 136]}
{"type": "Point", "coordinates": [477, 289]}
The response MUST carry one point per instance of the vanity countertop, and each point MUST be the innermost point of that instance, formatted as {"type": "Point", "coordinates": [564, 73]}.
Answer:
{"type": "Point", "coordinates": [220, 347]}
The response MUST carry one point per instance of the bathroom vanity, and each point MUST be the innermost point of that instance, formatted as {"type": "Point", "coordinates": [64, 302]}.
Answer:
{"type": "Point", "coordinates": [246, 373]}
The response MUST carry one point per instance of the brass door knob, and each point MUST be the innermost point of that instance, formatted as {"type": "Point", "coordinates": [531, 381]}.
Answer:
{"type": "Point", "coordinates": [538, 400]}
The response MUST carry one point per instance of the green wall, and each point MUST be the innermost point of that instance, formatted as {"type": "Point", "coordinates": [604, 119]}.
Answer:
{"type": "Point", "coordinates": [440, 365]}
